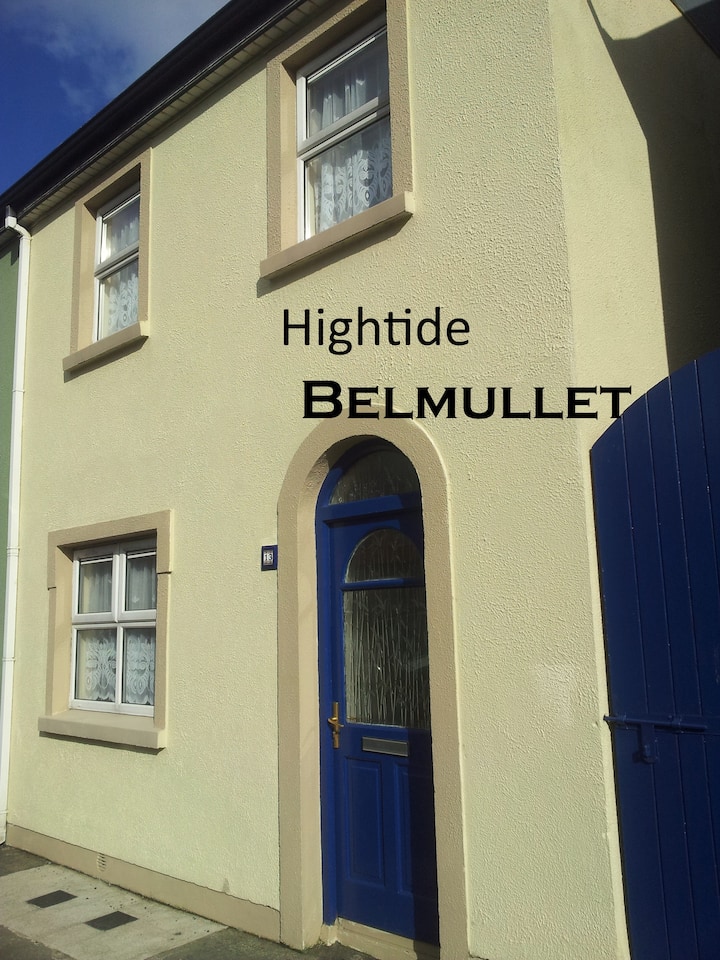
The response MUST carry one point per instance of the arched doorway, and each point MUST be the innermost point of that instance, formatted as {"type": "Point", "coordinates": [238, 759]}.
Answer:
{"type": "Point", "coordinates": [299, 805]}
{"type": "Point", "coordinates": [378, 824]}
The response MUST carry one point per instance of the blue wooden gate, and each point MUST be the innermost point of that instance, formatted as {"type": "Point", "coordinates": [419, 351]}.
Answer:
{"type": "Point", "coordinates": [656, 475]}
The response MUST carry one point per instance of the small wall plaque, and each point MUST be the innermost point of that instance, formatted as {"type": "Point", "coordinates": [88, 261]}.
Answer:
{"type": "Point", "coordinates": [268, 557]}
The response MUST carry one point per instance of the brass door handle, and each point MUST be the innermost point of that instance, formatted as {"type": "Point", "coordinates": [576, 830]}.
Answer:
{"type": "Point", "coordinates": [335, 724]}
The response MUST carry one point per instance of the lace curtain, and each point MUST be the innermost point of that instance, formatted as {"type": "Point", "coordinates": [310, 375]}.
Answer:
{"type": "Point", "coordinates": [119, 293]}
{"type": "Point", "coordinates": [96, 674]}
{"type": "Point", "coordinates": [355, 173]}
{"type": "Point", "coordinates": [351, 177]}
{"type": "Point", "coordinates": [119, 289]}
{"type": "Point", "coordinates": [97, 647]}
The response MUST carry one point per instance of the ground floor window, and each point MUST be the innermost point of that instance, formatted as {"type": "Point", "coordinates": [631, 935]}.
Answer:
{"type": "Point", "coordinates": [114, 617]}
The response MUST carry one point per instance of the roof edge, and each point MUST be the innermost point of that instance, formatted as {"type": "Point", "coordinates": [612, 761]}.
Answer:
{"type": "Point", "coordinates": [233, 27]}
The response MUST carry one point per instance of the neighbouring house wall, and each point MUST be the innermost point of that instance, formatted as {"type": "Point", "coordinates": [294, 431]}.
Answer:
{"type": "Point", "coordinates": [205, 418]}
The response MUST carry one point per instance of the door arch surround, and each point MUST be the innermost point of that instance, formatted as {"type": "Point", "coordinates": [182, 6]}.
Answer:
{"type": "Point", "coordinates": [298, 717]}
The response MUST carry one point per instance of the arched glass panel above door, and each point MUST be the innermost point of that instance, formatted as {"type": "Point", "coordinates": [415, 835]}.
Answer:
{"type": "Point", "coordinates": [378, 474]}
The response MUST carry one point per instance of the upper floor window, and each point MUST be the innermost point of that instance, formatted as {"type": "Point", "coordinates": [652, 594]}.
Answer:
{"type": "Point", "coordinates": [111, 259]}
{"type": "Point", "coordinates": [344, 153]}
{"type": "Point", "coordinates": [116, 263]}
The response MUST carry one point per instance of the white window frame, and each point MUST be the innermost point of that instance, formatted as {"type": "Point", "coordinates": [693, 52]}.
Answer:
{"type": "Point", "coordinates": [309, 146]}
{"type": "Point", "coordinates": [117, 618]}
{"type": "Point", "coordinates": [106, 267]}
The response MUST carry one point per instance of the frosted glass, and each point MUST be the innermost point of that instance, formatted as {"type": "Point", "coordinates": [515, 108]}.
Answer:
{"type": "Point", "coordinates": [382, 555]}
{"type": "Point", "coordinates": [378, 474]}
{"type": "Point", "coordinates": [386, 657]}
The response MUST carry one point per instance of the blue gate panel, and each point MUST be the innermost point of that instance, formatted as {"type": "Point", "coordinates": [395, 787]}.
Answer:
{"type": "Point", "coordinates": [656, 483]}
{"type": "Point", "coordinates": [654, 680]}
{"type": "Point", "coordinates": [617, 567]}
{"type": "Point", "coordinates": [709, 386]}
{"type": "Point", "coordinates": [693, 447]}
{"type": "Point", "coordinates": [679, 911]}
{"type": "Point", "coordinates": [672, 590]}
{"type": "Point", "coordinates": [641, 845]}
{"type": "Point", "coordinates": [701, 825]}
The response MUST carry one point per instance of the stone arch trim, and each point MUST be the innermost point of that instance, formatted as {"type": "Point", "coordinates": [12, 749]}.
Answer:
{"type": "Point", "coordinates": [298, 715]}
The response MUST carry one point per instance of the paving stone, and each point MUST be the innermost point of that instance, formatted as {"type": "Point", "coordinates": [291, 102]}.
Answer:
{"type": "Point", "coordinates": [15, 947]}
{"type": "Point", "coordinates": [13, 860]}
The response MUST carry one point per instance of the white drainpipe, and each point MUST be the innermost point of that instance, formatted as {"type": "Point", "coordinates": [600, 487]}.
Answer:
{"type": "Point", "coordinates": [13, 541]}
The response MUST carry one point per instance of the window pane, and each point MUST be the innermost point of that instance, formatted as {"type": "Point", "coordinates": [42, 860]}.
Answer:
{"type": "Point", "coordinates": [350, 177]}
{"type": "Point", "coordinates": [119, 300]}
{"type": "Point", "coordinates": [358, 79]}
{"type": "Point", "coordinates": [95, 586]}
{"type": "Point", "coordinates": [121, 229]}
{"type": "Point", "coordinates": [378, 474]}
{"type": "Point", "coordinates": [386, 657]}
{"type": "Point", "coordinates": [140, 580]}
{"type": "Point", "coordinates": [383, 555]}
{"type": "Point", "coordinates": [139, 667]}
{"type": "Point", "coordinates": [95, 668]}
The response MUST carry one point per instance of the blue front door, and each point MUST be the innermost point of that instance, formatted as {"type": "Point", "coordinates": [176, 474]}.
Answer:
{"type": "Point", "coordinates": [377, 791]}
{"type": "Point", "coordinates": [656, 475]}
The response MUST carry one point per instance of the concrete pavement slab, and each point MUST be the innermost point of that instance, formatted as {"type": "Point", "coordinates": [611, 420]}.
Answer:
{"type": "Point", "coordinates": [63, 926]}
{"type": "Point", "coordinates": [157, 932]}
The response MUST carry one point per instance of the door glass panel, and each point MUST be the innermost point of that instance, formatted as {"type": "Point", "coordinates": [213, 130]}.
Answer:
{"type": "Point", "coordinates": [384, 555]}
{"type": "Point", "coordinates": [379, 474]}
{"type": "Point", "coordinates": [386, 657]}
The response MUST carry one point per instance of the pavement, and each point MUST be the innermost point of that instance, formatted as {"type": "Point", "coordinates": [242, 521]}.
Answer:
{"type": "Point", "coordinates": [48, 912]}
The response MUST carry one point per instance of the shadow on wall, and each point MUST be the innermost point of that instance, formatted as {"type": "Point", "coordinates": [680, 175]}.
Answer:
{"type": "Point", "coordinates": [672, 79]}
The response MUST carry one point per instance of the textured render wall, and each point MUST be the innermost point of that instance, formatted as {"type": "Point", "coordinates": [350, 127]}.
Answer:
{"type": "Point", "coordinates": [8, 299]}
{"type": "Point", "coordinates": [639, 139]}
{"type": "Point", "coordinates": [637, 89]}
{"type": "Point", "coordinates": [205, 418]}
{"type": "Point", "coordinates": [167, 427]}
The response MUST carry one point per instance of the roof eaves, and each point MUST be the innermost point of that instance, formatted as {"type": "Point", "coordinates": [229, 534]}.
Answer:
{"type": "Point", "coordinates": [209, 54]}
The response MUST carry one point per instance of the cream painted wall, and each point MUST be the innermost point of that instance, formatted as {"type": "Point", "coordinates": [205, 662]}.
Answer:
{"type": "Point", "coordinates": [534, 221]}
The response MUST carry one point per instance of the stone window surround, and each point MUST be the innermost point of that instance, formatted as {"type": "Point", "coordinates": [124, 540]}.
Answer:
{"type": "Point", "coordinates": [84, 349]}
{"type": "Point", "coordinates": [118, 728]}
{"type": "Point", "coordinates": [285, 251]}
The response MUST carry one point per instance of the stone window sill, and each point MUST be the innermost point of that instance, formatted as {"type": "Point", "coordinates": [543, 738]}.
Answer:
{"type": "Point", "coordinates": [132, 336]}
{"type": "Point", "coordinates": [394, 210]}
{"type": "Point", "coordinates": [118, 728]}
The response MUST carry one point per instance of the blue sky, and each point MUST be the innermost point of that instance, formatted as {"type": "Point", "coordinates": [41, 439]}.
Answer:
{"type": "Point", "coordinates": [65, 59]}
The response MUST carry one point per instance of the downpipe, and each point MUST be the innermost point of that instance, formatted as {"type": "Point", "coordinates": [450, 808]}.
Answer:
{"type": "Point", "coordinates": [13, 539]}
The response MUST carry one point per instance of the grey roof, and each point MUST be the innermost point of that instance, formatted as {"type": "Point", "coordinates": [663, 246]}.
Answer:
{"type": "Point", "coordinates": [705, 17]}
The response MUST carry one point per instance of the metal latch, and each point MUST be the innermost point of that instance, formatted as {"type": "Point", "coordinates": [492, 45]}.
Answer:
{"type": "Point", "coordinates": [646, 731]}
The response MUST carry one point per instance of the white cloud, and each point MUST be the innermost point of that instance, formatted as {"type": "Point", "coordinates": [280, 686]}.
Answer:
{"type": "Point", "coordinates": [100, 46]}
